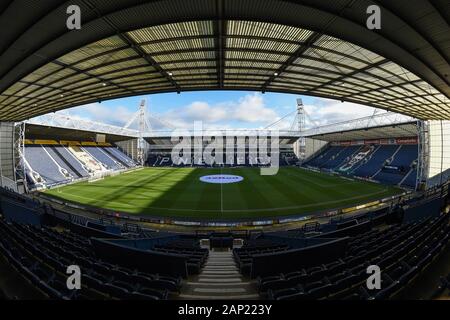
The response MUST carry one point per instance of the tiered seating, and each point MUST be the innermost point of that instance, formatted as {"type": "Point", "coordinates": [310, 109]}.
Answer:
{"type": "Point", "coordinates": [120, 156]}
{"type": "Point", "coordinates": [400, 251]}
{"type": "Point", "coordinates": [86, 159]}
{"type": "Point", "coordinates": [53, 163]}
{"type": "Point", "coordinates": [376, 161]}
{"type": "Point", "coordinates": [165, 160]}
{"type": "Point", "coordinates": [410, 180]}
{"type": "Point", "coordinates": [324, 156]}
{"type": "Point", "coordinates": [77, 165]}
{"type": "Point", "coordinates": [444, 285]}
{"type": "Point", "coordinates": [288, 158]}
{"type": "Point", "coordinates": [191, 249]}
{"type": "Point", "coordinates": [43, 255]}
{"type": "Point", "coordinates": [389, 177]}
{"type": "Point", "coordinates": [404, 158]}
{"type": "Point", "coordinates": [160, 160]}
{"type": "Point", "coordinates": [399, 167]}
{"type": "Point", "coordinates": [103, 157]}
{"type": "Point", "coordinates": [356, 159]}
{"type": "Point", "coordinates": [243, 255]}
{"type": "Point", "coordinates": [343, 155]}
{"type": "Point", "coordinates": [60, 161]}
{"type": "Point", "coordinates": [391, 164]}
{"type": "Point", "coordinates": [47, 169]}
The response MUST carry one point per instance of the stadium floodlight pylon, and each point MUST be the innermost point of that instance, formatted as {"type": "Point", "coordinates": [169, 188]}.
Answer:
{"type": "Point", "coordinates": [301, 123]}
{"type": "Point", "coordinates": [144, 128]}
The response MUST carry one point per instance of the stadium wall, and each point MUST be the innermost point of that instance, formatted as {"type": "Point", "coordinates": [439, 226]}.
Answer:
{"type": "Point", "coordinates": [7, 155]}
{"type": "Point", "coordinates": [439, 152]}
{"type": "Point", "coordinates": [313, 146]}
{"type": "Point", "coordinates": [129, 147]}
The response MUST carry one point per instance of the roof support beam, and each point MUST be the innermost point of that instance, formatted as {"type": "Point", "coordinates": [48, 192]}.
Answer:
{"type": "Point", "coordinates": [390, 6]}
{"type": "Point", "coordinates": [149, 60]}
{"type": "Point", "coordinates": [133, 45]}
{"type": "Point", "coordinates": [220, 29]}
{"type": "Point", "coordinates": [362, 70]}
{"type": "Point", "coordinates": [102, 81]}
{"type": "Point", "coordinates": [300, 51]}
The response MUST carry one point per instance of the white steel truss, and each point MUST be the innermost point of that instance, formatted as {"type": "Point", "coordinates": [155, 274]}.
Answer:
{"type": "Point", "coordinates": [377, 120]}
{"type": "Point", "coordinates": [66, 121]}
{"type": "Point", "coordinates": [18, 156]}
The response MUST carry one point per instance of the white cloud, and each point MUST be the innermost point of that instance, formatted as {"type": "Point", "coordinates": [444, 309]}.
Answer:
{"type": "Point", "coordinates": [118, 115]}
{"type": "Point", "coordinates": [249, 109]}
{"type": "Point", "coordinates": [326, 111]}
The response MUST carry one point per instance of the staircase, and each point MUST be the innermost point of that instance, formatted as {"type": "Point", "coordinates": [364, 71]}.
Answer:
{"type": "Point", "coordinates": [219, 279]}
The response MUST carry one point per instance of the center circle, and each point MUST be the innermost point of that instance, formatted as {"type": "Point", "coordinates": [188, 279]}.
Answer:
{"type": "Point", "coordinates": [221, 178]}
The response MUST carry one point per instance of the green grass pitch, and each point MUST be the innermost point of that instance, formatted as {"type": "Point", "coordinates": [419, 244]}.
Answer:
{"type": "Point", "coordinates": [178, 192]}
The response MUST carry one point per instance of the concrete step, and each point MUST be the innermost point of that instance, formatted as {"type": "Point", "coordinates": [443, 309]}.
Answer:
{"type": "Point", "coordinates": [220, 272]}
{"type": "Point", "coordinates": [219, 279]}
{"type": "Point", "coordinates": [219, 276]}
{"type": "Point", "coordinates": [220, 282]}
{"type": "Point", "coordinates": [212, 297]}
{"type": "Point", "coordinates": [208, 267]}
{"type": "Point", "coordinates": [220, 290]}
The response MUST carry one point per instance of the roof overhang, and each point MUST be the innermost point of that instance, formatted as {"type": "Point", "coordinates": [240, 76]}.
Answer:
{"type": "Point", "coordinates": [317, 47]}
{"type": "Point", "coordinates": [173, 137]}
{"type": "Point", "coordinates": [62, 121]}
{"type": "Point", "coordinates": [402, 130]}
{"type": "Point", "coordinates": [43, 132]}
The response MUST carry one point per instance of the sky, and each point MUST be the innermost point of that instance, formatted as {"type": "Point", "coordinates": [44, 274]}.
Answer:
{"type": "Point", "coordinates": [221, 109]}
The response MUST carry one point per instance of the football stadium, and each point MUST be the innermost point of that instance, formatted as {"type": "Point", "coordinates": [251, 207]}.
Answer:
{"type": "Point", "coordinates": [296, 209]}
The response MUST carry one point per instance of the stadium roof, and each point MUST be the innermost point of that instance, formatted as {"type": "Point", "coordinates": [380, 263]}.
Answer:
{"type": "Point", "coordinates": [404, 130]}
{"type": "Point", "coordinates": [39, 131]}
{"type": "Point", "coordinates": [317, 47]}
{"type": "Point", "coordinates": [63, 121]}
{"type": "Point", "coordinates": [380, 120]}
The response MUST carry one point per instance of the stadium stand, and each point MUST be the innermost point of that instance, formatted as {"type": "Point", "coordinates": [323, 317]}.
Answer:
{"type": "Point", "coordinates": [389, 164]}
{"type": "Point", "coordinates": [444, 286]}
{"type": "Point", "coordinates": [72, 161]}
{"type": "Point", "coordinates": [402, 251]}
{"type": "Point", "coordinates": [356, 159]}
{"type": "Point", "coordinates": [120, 156]}
{"type": "Point", "coordinates": [43, 254]}
{"type": "Point", "coordinates": [103, 157]}
{"type": "Point", "coordinates": [55, 155]}
{"type": "Point", "coordinates": [375, 161]}
{"type": "Point", "coordinates": [317, 261]}
{"type": "Point", "coordinates": [159, 160]}
{"type": "Point", "coordinates": [343, 155]}
{"type": "Point", "coordinates": [247, 160]}
{"type": "Point", "coordinates": [396, 169]}
{"type": "Point", "coordinates": [327, 154]}
{"type": "Point", "coordinates": [55, 163]}
{"type": "Point", "coordinates": [86, 159]}
{"type": "Point", "coordinates": [43, 169]}
{"type": "Point", "coordinates": [410, 179]}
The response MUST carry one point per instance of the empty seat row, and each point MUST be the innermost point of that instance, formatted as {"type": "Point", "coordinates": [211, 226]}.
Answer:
{"type": "Point", "coordinates": [401, 259]}
{"type": "Point", "coordinates": [46, 248]}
